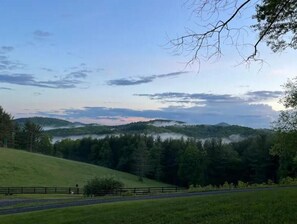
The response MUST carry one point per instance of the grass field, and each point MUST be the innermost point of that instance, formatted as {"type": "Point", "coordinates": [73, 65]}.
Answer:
{"type": "Point", "coordinates": [275, 206]}
{"type": "Point", "coordinates": [20, 168]}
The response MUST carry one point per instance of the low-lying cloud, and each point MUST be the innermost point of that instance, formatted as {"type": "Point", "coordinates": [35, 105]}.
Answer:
{"type": "Point", "coordinates": [247, 109]}
{"type": "Point", "coordinates": [255, 115]}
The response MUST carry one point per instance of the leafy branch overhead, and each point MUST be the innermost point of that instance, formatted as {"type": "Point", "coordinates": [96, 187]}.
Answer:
{"type": "Point", "coordinates": [220, 23]}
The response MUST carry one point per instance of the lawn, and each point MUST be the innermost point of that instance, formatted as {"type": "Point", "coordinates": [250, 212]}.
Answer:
{"type": "Point", "coordinates": [273, 206]}
{"type": "Point", "coordinates": [20, 168]}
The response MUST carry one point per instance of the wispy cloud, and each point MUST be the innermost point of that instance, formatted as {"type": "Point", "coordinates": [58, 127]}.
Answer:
{"type": "Point", "coordinates": [5, 88]}
{"type": "Point", "coordinates": [142, 79]}
{"type": "Point", "coordinates": [263, 95]}
{"type": "Point", "coordinates": [8, 64]}
{"type": "Point", "coordinates": [202, 98]}
{"type": "Point", "coordinates": [29, 80]}
{"type": "Point", "coordinates": [6, 49]}
{"type": "Point", "coordinates": [41, 34]}
{"type": "Point", "coordinates": [47, 69]}
{"type": "Point", "coordinates": [79, 74]}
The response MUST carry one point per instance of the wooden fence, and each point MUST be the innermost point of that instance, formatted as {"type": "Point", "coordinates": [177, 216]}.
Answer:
{"type": "Point", "coordinates": [75, 190]}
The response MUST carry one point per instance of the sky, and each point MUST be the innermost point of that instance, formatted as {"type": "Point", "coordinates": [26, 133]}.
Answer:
{"type": "Point", "coordinates": [111, 62]}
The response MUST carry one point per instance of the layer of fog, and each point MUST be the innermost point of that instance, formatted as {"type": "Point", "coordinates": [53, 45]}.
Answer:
{"type": "Point", "coordinates": [47, 128]}
{"type": "Point", "coordinates": [162, 136]}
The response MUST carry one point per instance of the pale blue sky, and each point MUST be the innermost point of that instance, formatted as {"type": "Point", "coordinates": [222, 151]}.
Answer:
{"type": "Point", "coordinates": [108, 62]}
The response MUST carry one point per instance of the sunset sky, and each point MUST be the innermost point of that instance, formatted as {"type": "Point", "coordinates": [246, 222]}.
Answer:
{"type": "Point", "coordinates": [109, 62]}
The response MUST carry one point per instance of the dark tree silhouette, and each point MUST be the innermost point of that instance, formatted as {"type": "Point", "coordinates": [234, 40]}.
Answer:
{"type": "Point", "coordinates": [6, 127]}
{"type": "Point", "coordinates": [286, 127]}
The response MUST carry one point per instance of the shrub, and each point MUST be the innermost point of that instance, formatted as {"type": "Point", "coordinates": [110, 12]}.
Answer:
{"type": "Point", "coordinates": [226, 185]}
{"type": "Point", "coordinates": [197, 188]}
{"type": "Point", "coordinates": [288, 181]}
{"type": "Point", "coordinates": [241, 184]}
{"type": "Point", "coordinates": [270, 182]}
{"type": "Point", "coordinates": [127, 193]}
{"type": "Point", "coordinates": [100, 186]}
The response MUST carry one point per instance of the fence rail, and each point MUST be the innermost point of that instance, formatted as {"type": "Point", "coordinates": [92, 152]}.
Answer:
{"type": "Point", "coordinates": [76, 190]}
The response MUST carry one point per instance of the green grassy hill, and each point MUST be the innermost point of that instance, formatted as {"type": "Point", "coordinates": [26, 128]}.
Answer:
{"type": "Point", "coordinates": [20, 168]}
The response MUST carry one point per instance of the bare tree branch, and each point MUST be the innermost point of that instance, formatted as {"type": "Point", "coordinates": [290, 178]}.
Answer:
{"type": "Point", "coordinates": [276, 19]}
{"type": "Point", "coordinates": [196, 42]}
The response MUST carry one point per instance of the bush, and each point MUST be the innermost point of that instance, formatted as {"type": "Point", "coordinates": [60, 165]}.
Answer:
{"type": "Point", "coordinates": [241, 184]}
{"type": "Point", "coordinates": [226, 185]}
{"type": "Point", "coordinates": [288, 181]}
{"type": "Point", "coordinates": [270, 182]}
{"type": "Point", "coordinates": [198, 188]}
{"type": "Point", "coordinates": [100, 186]}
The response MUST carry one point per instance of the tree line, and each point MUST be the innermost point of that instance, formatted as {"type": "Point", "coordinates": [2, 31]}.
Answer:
{"type": "Point", "coordinates": [28, 136]}
{"type": "Point", "coordinates": [181, 162]}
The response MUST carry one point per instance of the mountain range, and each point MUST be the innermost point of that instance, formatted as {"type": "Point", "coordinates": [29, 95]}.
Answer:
{"type": "Point", "coordinates": [60, 129]}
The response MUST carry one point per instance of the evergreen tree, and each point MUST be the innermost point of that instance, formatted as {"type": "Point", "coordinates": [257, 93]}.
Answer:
{"type": "Point", "coordinates": [33, 132]}
{"type": "Point", "coordinates": [192, 165]}
{"type": "Point", "coordinates": [140, 159]}
{"type": "Point", "coordinates": [6, 128]}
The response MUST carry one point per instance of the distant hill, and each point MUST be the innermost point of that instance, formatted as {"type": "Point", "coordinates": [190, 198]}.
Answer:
{"type": "Point", "coordinates": [223, 124]}
{"type": "Point", "coordinates": [47, 122]}
{"type": "Point", "coordinates": [20, 168]}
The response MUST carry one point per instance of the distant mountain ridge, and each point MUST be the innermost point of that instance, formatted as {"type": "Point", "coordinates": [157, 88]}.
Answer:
{"type": "Point", "coordinates": [47, 122]}
{"type": "Point", "coordinates": [167, 128]}
{"type": "Point", "coordinates": [223, 124]}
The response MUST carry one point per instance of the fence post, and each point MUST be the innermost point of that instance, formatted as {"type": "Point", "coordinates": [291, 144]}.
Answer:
{"type": "Point", "coordinates": [69, 191]}
{"type": "Point", "coordinates": [55, 189]}
{"type": "Point", "coordinates": [45, 190]}
{"type": "Point", "coordinates": [175, 189]}
{"type": "Point", "coordinates": [162, 189]}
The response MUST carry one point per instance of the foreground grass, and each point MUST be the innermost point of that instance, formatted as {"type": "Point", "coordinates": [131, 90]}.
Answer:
{"type": "Point", "coordinates": [274, 206]}
{"type": "Point", "coordinates": [20, 168]}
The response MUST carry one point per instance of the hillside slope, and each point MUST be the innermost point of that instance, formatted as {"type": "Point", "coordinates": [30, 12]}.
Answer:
{"type": "Point", "coordinates": [20, 168]}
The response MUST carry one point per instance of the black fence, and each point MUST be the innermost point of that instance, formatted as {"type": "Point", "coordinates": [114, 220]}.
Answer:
{"type": "Point", "coordinates": [40, 190]}
{"type": "Point", "coordinates": [75, 190]}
